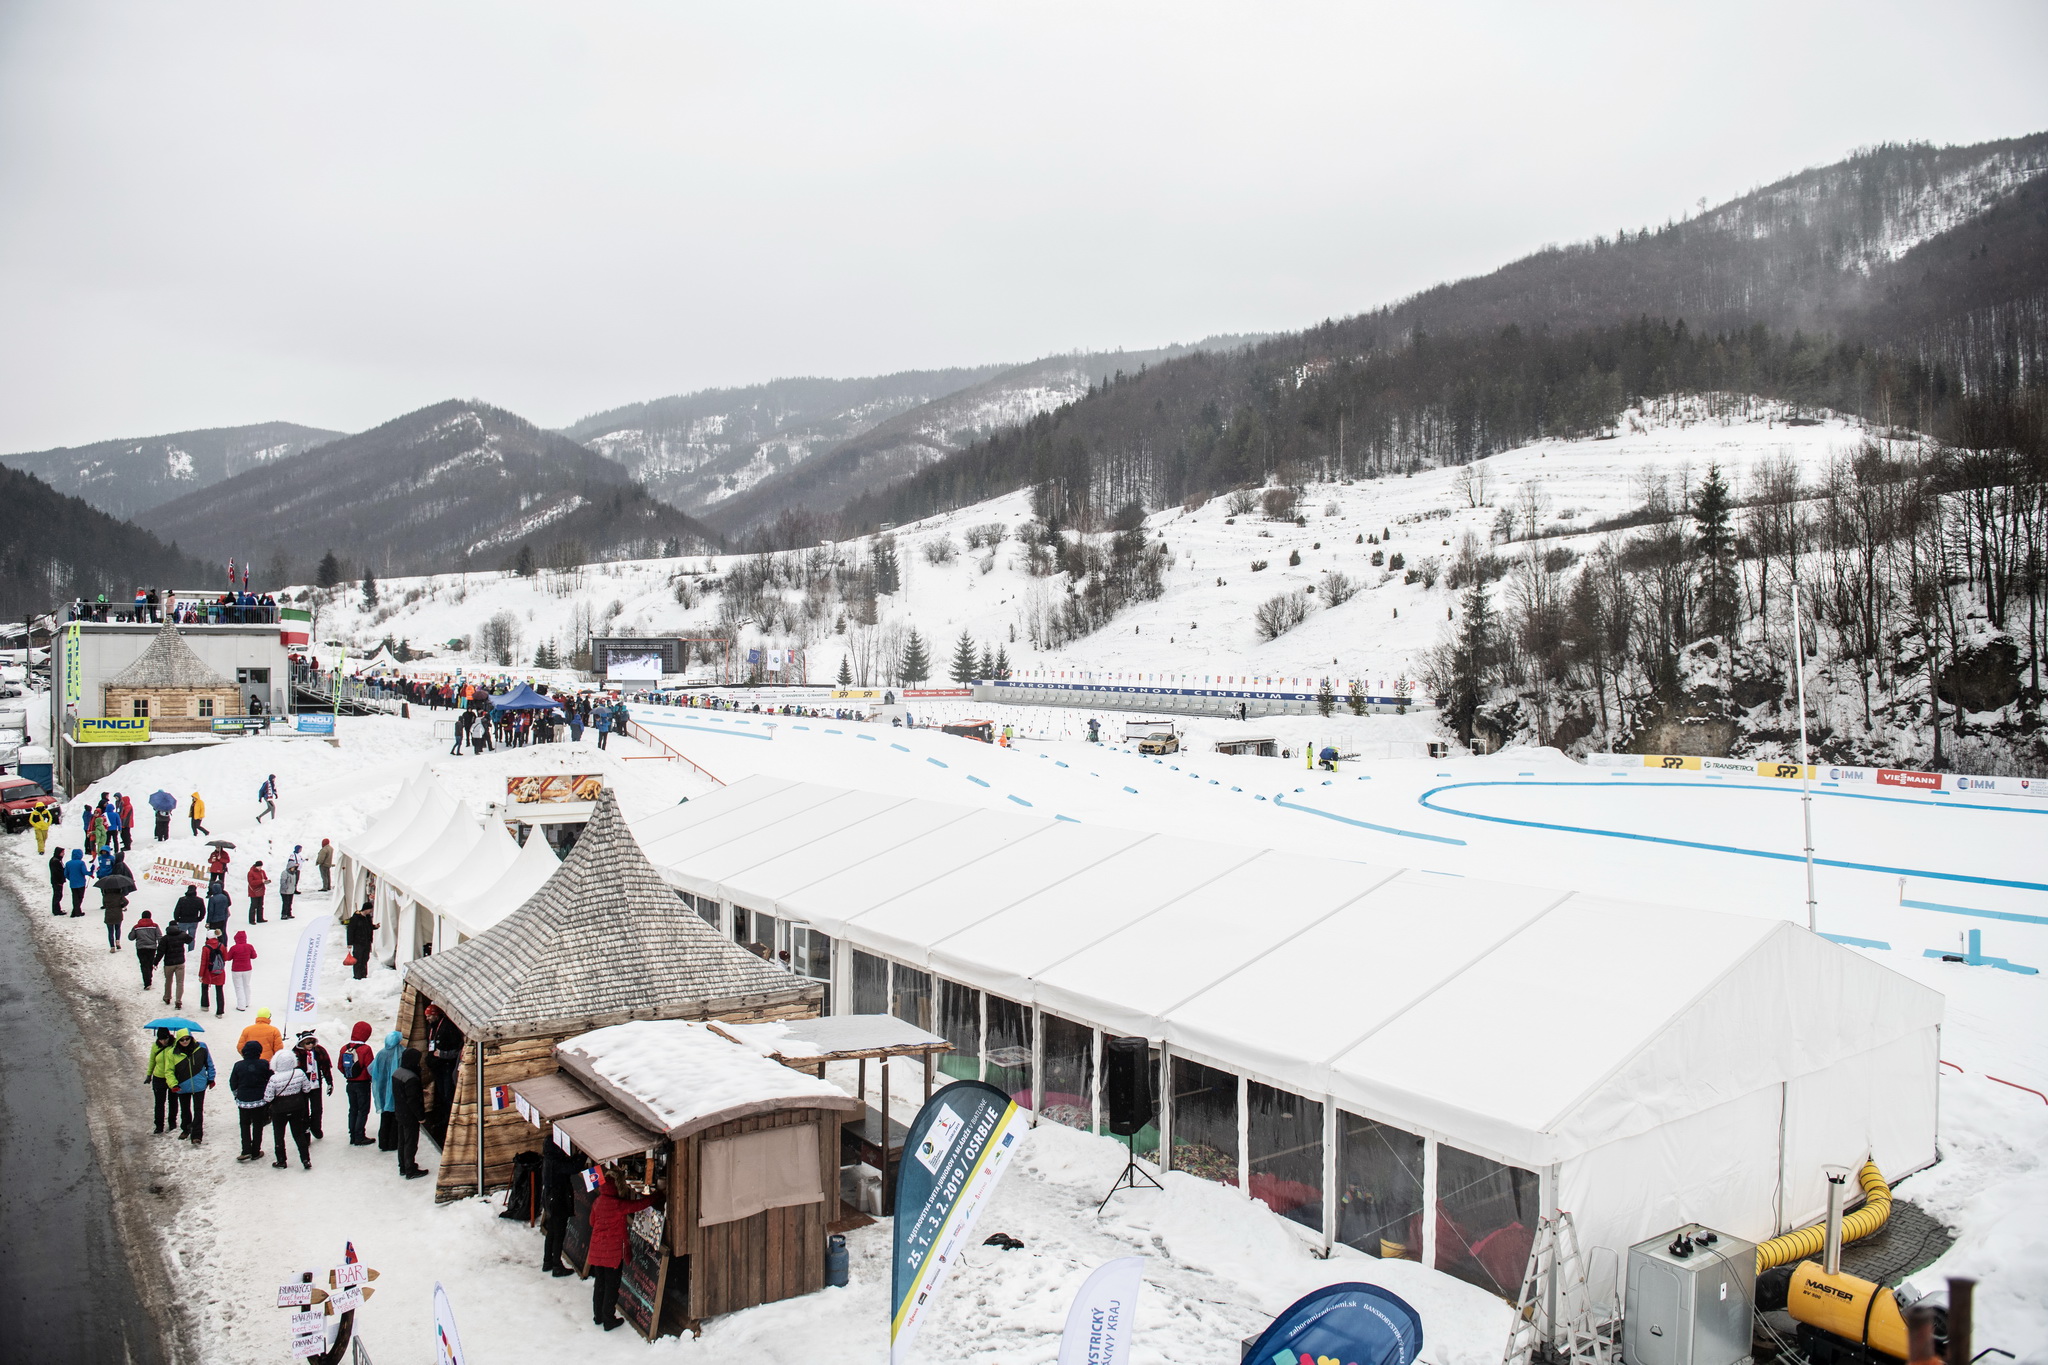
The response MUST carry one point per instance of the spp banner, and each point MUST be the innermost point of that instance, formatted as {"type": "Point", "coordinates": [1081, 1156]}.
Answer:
{"type": "Point", "coordinates": [1345, 1324]}
{"type": "Point", "coordinates": [955, 1152]}
{"type": "Point", "coordinates": [1104, 1315]}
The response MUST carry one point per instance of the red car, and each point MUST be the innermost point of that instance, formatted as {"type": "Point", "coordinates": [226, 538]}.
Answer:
{"type": "Point", "coordinates": [19, 796]}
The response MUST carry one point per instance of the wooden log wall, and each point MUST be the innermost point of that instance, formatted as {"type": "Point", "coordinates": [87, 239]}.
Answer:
{"type": "Point", "coordinates": [775, 1254]}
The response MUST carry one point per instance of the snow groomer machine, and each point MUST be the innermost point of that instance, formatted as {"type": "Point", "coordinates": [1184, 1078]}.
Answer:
{"type": "Point", "coordinates": [1698, 1297]}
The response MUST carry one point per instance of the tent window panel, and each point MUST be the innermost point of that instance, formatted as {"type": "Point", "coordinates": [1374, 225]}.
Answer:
{"type": "Point", "coordinates": [960, 1025]}
{"type": "Point", "coordinates": [1009, 1049]}
{"type": "Point", "coordinates": [1485, 1220]}
{"type": "Point", "coordinates": [761, 937]}
{"type": "Point", "coordinates": [1286, 1134]}
{"type": "Point", "coordinates": [1379, 1201]}
{"type": "Point", "coordinates": [1204, 1121]}
{"type": "Point", "coordinates": [1068, 1088]}
{"type": "Point", "coordinates": [740, 931]}
{"type": "Point", "coordinates": [910, 996]}
{"type": "Point", "coordinates": [870, 982]}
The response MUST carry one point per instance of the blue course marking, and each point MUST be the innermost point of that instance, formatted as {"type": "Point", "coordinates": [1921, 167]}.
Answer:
{"type": "Point", "coordinates": [1059, 763]}
{"type": "Point", "coordinates": [1132, 790]}
{"type": "Point", "coordinates": [904, 747]}
{"type": "Point", "coordinates": [1425, 802]}
{"type": "Point", "coordinates": [975, 780]}
{"type": "Point", "coordinates": [1855, 942]}
{"type": "Point", "coordinates": [835, 732]}
{"type": "Point", "coordinates": [724, 734]}
{"type": "Point", "coordinates": [1020, 800]}
{"type": "Point", "coordinates": [869, 738]}
{"type": "Point", "coordinates": [1364, 824]}
{"type": "Point", "coordinates": [1068, 818]}
{"type": "Point", "coordinates": [1980, 914]}
{"type": "Point", "coordinates": [936, 764]}
{"type": "Point", "coordinates": [799, 727]}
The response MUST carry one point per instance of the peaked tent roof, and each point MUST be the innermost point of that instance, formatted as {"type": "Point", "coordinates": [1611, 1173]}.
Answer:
{"type": "Point", "coordinates": [168, 662]}
{"type": "Point", "coordinates": [603, 942]}
{"type": "Point", "coordinates": [523, 698]}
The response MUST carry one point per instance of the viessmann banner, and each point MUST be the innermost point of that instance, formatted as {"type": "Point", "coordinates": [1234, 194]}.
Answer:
{"type": "Point", "coordinates": [953, 1155]}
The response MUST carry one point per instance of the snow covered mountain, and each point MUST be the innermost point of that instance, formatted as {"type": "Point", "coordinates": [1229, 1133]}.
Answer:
{"type": "Point", "coordinates": [454, 484]}
{"type": "Point", "coordinates": [134, 474]}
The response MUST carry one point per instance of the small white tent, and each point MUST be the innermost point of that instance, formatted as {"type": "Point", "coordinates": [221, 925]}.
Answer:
{"type": "Point", "coordinates": [1412, 1063]}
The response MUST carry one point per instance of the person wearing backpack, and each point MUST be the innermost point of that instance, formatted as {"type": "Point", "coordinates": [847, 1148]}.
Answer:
{"type": "Point", "coordinates": [193, 1071]}
{"type": "Point", "coordinates": [213, 973]}
{"type": "Point", "coordinates": [354, 1063]}
{"type": "Point", "coordinates": [267, 794]}
{"type": "Point", "coordinates": [286, 1095]}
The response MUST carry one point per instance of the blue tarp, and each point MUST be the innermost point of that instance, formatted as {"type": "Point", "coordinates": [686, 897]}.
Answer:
{"type": "Point", "coordinates": [522, 698]}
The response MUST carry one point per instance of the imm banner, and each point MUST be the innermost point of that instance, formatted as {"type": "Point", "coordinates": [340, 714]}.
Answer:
{"type": "Point", "coordinates": [955, 1152]}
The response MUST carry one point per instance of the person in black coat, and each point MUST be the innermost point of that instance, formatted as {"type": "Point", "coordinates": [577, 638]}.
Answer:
{"type": "Point", "coordinates": [557, 1201]}
{"type": "Point", "coordinates": [249, 1079]}
{"type": "Point", "coordinates": [410, 1106]}
{"type": "Point", "coordinates": [189, 909]}
{"type": "Point", "coordinates": [444, 1055]}
{"type": "Point", "coordinates": [362, 933]}
{"type": "Point", "coordinates": [56, 881]}
{"type": "Point", "coordinates": [316, 1062]}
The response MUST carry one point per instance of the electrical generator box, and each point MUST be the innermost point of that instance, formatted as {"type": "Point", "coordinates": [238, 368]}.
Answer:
{"type": "Point", "coordinates": [1689, 1297]}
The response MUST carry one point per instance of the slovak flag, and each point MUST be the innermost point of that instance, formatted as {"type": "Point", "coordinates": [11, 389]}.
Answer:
{"type": "Point", "coordinates": [588, 1175]}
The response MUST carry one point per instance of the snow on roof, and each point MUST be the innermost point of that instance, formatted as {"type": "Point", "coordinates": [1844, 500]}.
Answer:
{"type": "Point", "coordinates": [1417, 997]}
{"type": "Point", "coordinates": [603, 941]}
{"type": "Point", "coordinates": [677, 1078]}
{"type": "Point", "coordinates": [833, 1035]}
{"type": "Point", "coordinates": [168, 662]}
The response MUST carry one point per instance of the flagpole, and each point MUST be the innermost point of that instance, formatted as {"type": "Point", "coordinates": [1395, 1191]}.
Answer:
{"type": "Point", "coordinates": [1805, 770]}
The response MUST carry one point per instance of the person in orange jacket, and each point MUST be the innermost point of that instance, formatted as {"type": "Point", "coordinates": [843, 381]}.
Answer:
{"type": "Point", "coordinates": [263, 1033]}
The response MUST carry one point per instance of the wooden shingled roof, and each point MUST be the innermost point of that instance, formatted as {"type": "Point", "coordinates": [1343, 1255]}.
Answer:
{"type": "Point", "coordinates": [169, 662]}
{"type": "Point", "coordinates": [604, 941]}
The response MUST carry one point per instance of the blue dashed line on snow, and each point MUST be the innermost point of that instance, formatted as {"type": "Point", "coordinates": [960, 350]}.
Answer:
{"type": "Point", "coordinates": [936, 764]}
{"type": "Point", "coordinates": [975, 780]}
{"type": "Point", "coordinates": [904, 747]}
{"type": "Point", "coordinates": [1020, 800]}
{"type": "Point", "coordinates": [1285, 804]}
{"type": "Point", "coordinates": [1132, 790]}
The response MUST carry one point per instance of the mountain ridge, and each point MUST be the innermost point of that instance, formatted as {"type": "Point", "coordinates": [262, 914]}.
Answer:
{"type": "Point", "coordinates": [131, 474]}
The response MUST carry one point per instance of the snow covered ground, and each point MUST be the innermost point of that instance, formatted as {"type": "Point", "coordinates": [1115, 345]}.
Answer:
{"type": "Point", "coordinates": [1218, 1265]}
{"type": "Point", "coordinates": [1201, 626]}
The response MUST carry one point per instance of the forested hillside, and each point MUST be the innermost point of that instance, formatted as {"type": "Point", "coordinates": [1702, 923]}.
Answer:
{"type": "Point", "coordinates": [54, 547]}
{"type": "Point", "coordinates": [136, 473]}
{"type": "Point", "coordinates": [458, 484]}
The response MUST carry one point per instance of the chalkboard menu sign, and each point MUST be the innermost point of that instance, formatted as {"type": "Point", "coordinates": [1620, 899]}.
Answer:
{"type": "Point", "coordinates": [643, 1283]}
{"type": "Point", "coordinates": [576, 1239]}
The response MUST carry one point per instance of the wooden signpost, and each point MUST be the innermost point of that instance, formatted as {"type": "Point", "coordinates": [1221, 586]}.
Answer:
{"type": "Point", "coordinates": [348, 1287]}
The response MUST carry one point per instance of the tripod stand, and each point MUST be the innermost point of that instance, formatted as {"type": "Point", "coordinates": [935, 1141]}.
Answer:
{"type": "Point", "coordinates": [1132, 1175]}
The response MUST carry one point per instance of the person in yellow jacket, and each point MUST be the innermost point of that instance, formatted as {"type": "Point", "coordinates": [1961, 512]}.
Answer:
{"type": "Point", "coordinates": [162, 1075]}
{"type": "Point", "coordinates": [198, 814]}
{"type": "Point", "coordinates": [263, 1033]}
{"type": "Point", "coordinates": [39, 820]}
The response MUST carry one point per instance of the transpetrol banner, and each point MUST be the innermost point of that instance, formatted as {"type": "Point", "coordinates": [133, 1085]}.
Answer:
{"type": "Point", "coordinates": [955, 1152]}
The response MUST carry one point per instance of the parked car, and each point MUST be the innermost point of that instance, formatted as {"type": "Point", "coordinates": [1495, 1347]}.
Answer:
{"type": "Point", "coordinates": [19, 796]}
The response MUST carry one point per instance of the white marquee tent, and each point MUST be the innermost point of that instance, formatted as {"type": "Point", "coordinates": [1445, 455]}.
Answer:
{"type": "Point", "coordinates": [1413, 1063]}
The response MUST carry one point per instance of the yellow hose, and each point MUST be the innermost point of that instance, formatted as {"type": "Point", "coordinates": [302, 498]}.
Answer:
{"type": "Point", "coordinates": [1804, 1244]}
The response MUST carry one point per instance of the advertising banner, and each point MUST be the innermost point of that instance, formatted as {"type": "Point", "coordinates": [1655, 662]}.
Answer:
{"type": "Point", "coordinates": [1897, 777]}
{"type": "Point", "coordinates": [552, 789]}
{"type": "Point", "coordinates": [315, 722]}
{"type": "Point", "coordinates": [857, 693]}
{"type": "Point", "coordinates": [111, 729]}
{"type": "Point", "coordinates": [447, 1343]}
{"type": "Point", "coordinates": [938, 692]}
{"type": "Point", "coordinates": [1671, 762]}
{"type": "Point", "coordinates": [1351, 1324]}
{"type": "Point", "coordinates": [1790, 772]}
{"type": "Point", "coordinates": [953, 1156]}
{"type": "Point", "coordinates": [1104, 1315]}
{"type": "Point", "coordinates": [72, 650]}
{"type": "Point", "coordinates": [173, 872]}
{"type": "Point", "coordinates": [302, 996]}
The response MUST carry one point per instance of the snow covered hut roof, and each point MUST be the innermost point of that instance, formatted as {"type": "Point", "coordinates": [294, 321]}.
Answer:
{"type": "Point", "coordinates": [604, 941]}
{"type": "Point", "coordinates": [168, 662]}
{"type": "Point", "coordinates": [678, 1078]}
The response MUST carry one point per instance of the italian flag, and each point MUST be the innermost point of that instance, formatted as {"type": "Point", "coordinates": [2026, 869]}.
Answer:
{"type": "Point", "coordinates": [295, 626]}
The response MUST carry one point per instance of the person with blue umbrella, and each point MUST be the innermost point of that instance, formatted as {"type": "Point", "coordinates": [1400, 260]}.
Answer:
{"type": "Point", "coordinates": [165, 805]}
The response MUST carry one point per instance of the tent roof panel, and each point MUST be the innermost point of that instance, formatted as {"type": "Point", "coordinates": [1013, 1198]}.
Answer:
{"type": "Point", "coordinates": [738, 853]}
{"type": "Point", "coordinates": [438, 817]}
{"type": "Point", "coordinates": [840, 897]}
{"type": "Point", "coordinates": [395, 821]}
{"type": "Point", "coordinates": [687, 814]}
{"type": "Point", "coordinates": [526, 874]}
{"type": "Point", "coordinates": [828, 855]}
{"type": "Point", "coordinates": [729, 821]}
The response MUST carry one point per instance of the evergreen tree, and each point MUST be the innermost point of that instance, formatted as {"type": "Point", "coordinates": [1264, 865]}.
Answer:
{"type": "Point", "coordinates": [369, 590]}
{"type": "Point", "coordinates": [1356, 700]}
{"type": "Point", "coordinates": [916, 665]}
{"type": "Point", "coordinates": [1001, 671]}
{"type": "Point", "coordinates": [987, 666]}
{"type": "Point", "coordinates": [1472, 660]}
{"type": "Point", "coordinates": [1714, 538]}
{"type": "Point", "coordinates": [963, 659]}
{"type": "Point", "coordinates": [546, 656]}
{"type": "Point", "coordinates": [1326, 700]}
{"type": "Point", "coordinates": [888, 574]}
{"type": "Point", "coordinates": [845, 671]}
{"type": "Point", "coordinates": [524, 565]}
{"type": "Point", "coordinates": [328, 575]}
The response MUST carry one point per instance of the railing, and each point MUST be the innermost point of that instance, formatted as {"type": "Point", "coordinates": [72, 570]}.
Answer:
{"type": "Point", "coordinates": [635, 730]}
{"type": "Point", "coordinates": [354, 691]}
{"type": "Point", "coordinates": [186, 613]}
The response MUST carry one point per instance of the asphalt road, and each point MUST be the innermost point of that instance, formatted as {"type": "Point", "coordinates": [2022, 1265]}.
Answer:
{"type": "Point", "coordinates": [68, 1290]}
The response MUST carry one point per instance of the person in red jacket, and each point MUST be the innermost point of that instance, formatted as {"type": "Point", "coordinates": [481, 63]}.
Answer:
{"type": "Point", "coordinates": [258, 880]}
{"type": "Point", "coordinates": [217, 863]}
{"type": "Point", "coordinates": [608, 1249]}
{"type": "Point", "coordinates": [213, 974]}
{"type": "Point", "coordinates": [241, 962]}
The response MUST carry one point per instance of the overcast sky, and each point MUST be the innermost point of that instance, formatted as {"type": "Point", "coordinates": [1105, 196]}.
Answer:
{"type": "Point", "coordinates": [215, 213]}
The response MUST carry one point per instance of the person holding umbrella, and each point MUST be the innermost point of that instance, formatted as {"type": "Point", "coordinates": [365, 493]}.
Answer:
{"type": "Point", "coordinates": [164, 804]}
{"type": "Point", "coordinates": [114, 889]}
{"type": "Point", "coordinates": [158, 1073]}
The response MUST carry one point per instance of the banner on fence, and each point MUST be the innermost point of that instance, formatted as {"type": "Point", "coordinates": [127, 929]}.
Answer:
{"type": "Point", "coordinates": [111, 730]}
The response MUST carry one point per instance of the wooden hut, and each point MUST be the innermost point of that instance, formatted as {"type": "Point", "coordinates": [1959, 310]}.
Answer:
{"type": "Point", "coordinates": [603, 942]}
{"type": "Point", "coordinates": [751, 1163]}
